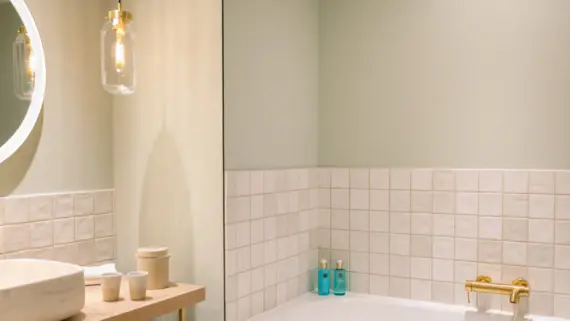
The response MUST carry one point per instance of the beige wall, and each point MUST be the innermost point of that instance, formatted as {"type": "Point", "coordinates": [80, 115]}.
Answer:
{"type": "Point", "coordinates": [445, 83]}
{"type": "Point", "coordinates": [168, 145]}
{"type": "Point", "coordinates": [70, 148]}
{"type": "Point", "coordinates": [12, 109]}
{"type": "Point", "coordinates": [271, 83]}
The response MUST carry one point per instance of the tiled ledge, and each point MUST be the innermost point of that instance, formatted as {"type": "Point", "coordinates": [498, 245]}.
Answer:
{"type": "Point", "coordinates": [75, 227]}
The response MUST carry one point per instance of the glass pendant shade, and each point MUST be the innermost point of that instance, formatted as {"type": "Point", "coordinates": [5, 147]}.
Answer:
{"type": "Point", "coordinates": [23, 66]}
{"type": "Point", "coordinates": [117, 53]}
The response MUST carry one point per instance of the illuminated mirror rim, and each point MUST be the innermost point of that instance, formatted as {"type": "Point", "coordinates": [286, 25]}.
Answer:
{"type": "Point", "coordinates": [29, 121]}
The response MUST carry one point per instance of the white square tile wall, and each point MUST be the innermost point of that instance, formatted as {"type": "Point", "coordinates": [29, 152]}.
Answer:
{"type": "Point", "coordinates": [77, 228]}
{"type": "Point", "coordinates": [420, 233]}
{"type": "Point", "coordinates": [272, 235]}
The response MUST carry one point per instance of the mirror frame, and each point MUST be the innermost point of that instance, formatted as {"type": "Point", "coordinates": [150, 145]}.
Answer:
{"type": "Point", "coordinates": [21, 134]}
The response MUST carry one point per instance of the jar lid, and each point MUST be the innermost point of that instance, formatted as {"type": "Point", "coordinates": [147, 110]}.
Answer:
{"type": "Point", "coordinates": [152, 251]}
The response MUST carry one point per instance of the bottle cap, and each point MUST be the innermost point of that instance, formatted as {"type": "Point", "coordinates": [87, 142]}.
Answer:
{"type": "Point", "coordinates": [339, 265]}
{"type": "Point", "coordinates": [323, 264]}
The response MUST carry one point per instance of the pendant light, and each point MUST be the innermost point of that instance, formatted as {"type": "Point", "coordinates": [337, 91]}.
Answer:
{"type": "Point", "coordinates": [23, 65]}
{"type": "Point", "coordinates": [117, 53]}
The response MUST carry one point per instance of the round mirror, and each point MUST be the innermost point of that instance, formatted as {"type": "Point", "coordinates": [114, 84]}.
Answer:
{"type": "Point", "coordinates": [22, 80]}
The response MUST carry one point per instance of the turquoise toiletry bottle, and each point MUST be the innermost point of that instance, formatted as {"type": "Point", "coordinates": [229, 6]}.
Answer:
{"type": "Point", "coordinates": [324, 278]}
{"type": "Point", "coordinates": [339, 287]}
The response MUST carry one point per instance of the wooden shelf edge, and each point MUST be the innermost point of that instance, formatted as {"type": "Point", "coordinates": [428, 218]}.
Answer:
{"type": "Point", "coordinates": [159, 302]}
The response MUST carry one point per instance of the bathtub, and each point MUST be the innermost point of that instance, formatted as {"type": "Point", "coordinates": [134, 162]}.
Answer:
{"type": "Point", "coordinates": [362, 307]}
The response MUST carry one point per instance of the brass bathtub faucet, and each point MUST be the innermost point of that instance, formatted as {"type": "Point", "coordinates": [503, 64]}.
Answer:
{"type": "Point", "coordinates": [484, 284]}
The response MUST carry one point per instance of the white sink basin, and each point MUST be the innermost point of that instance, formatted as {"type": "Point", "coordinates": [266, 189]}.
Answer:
{"type": "Point", "coordinates": [40, 290]}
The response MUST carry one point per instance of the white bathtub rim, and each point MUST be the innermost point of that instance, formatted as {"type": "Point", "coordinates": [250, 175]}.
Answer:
{"type": "Point", "coordinates": [309, 297]}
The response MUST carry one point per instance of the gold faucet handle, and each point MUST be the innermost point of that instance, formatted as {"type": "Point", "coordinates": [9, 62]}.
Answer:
{"type": "Point", "coordinates": [484, 279]}
{"type": "Point", "coordinates": [520, 281]}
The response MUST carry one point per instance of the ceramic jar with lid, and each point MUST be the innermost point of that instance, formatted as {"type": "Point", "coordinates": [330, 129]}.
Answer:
{"type": "Point", "coordinates": [155, 261]}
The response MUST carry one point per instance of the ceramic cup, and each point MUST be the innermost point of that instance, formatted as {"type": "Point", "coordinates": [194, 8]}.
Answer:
{"type": "Point", "coordinates": [111, 286]}
{"type": "Point", "coordinates": [137, 285]}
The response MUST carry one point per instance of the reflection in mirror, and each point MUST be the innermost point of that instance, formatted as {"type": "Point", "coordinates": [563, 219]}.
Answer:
{"type": "Point", "coordinates": [23, 65]}
{"type": "Point", "coordinates": [13, 109]}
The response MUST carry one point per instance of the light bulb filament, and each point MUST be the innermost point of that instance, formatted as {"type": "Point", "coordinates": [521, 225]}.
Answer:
{"type": "Point", "coordinates": [120, 50]}
{"type": "Point", "coordinates": [30, 63]}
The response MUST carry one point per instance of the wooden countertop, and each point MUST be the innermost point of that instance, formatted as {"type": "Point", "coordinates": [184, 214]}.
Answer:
{"type": "Point", "coordinates": [158, 303]}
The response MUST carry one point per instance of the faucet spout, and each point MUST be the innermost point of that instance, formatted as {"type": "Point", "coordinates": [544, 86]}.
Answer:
{"type": "Point", "coordinates": [518, 292]}
{"type": "Point", "coordinates": [515, 296]}
{"type": "Point", "coordinates": [520, 289]}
